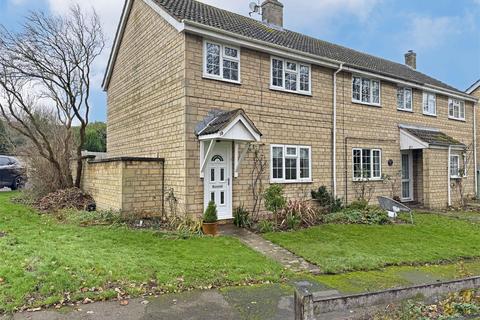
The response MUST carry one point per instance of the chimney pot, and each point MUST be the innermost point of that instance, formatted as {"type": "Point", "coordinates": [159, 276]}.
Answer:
{"type": "Point", "coordinates": [272, 13]}
{"type": "Point", "coordinates": [411, 59]}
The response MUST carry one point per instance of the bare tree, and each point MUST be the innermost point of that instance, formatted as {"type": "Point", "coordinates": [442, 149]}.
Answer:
{"type": "Point", "coordinates": [48, 66]}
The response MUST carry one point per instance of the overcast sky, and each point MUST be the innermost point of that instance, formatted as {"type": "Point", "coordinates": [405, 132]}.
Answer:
{"type": "Point", "coordinates": [444, 33]}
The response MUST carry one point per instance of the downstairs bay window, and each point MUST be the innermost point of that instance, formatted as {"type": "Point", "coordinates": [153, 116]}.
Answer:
{"type": "Point", "coordinates": [367, 164]}
{"type": "Point", "coordinates": [290, 163]}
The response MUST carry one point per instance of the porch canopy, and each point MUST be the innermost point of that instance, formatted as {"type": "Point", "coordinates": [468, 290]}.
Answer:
{"type": "Point", "coordinates": [423, 138]}
{"type": "Point", "coordinates": [233, 126]}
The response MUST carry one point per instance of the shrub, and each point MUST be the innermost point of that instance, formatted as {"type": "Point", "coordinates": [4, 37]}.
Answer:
{"type": "Point", "coordinates": [358, 205]}
{"type": "Point", "coordinates": [265, 226]}
{"type": "Point", "coordinates": [327, 200]}
{"type": "Point", "coordinates": [298, 213]}
{"type": "Point", "coordinates": [72, 198]}
{"type": "Point", "coordinates": [241, 217]}
{"type": "Point", "coordinates": [210, 215]}
{"type": "Point", "coordinates": [369, 215]}
{"type": "Point", "coordinates": [274, 199]}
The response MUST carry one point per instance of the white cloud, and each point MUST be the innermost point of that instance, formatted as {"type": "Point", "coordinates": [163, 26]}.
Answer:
{"type": "Point", "coordinates": [301, 13]}
{"type": "Point", "coordinates": [431, 32]}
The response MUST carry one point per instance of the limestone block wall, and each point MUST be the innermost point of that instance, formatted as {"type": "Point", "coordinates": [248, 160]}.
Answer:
{"type": "Point", "coordinates": [131, 185]}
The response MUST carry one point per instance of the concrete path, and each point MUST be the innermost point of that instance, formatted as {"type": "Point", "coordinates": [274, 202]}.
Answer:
{"type": "Point", "coordinates": [267, 302]}
{"type": "Point", "coordinates": [256, 242]}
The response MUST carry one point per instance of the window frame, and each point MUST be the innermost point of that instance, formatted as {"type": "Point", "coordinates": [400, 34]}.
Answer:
{"type": "Point", "coordinates": [371, 80]}
{"type": "Point", "coordinates": [297, 156]}
{"type": "Point", "coordinates": [461, 104]}
{"type": "Point", "coordinates": [222, 58]}
{"type": "Point", "coordinates": [427, 94]}
{"type": "Point", "coordinates": [285, 71]}
{"type": "Point", "coordinates": [404, 100]}
{"type": "Point", "coordinates": [455, 176]}
{"type": "Point", "coordinates": [372, 178]}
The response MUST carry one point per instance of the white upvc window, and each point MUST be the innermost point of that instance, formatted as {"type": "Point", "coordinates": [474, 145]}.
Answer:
{"type": "Point", "coordinates": [367, 164]}
{"type": "Point", "coordinates": [454, 166]}
{"type": "Point", "coordinates": [290, 163]}
{"type": "Point", "coordinates": [404, 99]}
{"type": "Point", "coordinates": [429, 104]}
{"type": "Point", "coordinates": [221, 62]}
{"type": "Point", "coordinates": [456, 109]}
{"type": "Point", "coordinates": [291, 76]}
{"type": "Point", "coordinates": [365, 90]}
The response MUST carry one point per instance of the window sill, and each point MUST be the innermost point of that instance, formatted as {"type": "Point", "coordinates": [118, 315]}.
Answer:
{"type": "Point", "coordinates": [457, 119]}
{"type": "Point", "coordinates": [308, 94]}
{"type": "Point", "coordinates": [430, 115]}
{"type": "Point", "coordinates": [290, 182]}
{"type": "Point", "coordinates": [368, 180]}
{"type": "Point", "coordinates": [378, 105]}
{"type": "Point", "coordinates": [209, 77]}
{"type": "Point", "coordinates": [405, 110]}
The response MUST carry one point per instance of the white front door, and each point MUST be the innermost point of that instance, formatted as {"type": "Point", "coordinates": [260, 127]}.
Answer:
{"type": "Point", "coordinates": [218, 179]}
{"type": "Point", "coordinates": [407, 176]}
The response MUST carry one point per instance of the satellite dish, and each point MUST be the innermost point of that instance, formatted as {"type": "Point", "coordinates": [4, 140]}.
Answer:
{"type": "Point", "coordinates": [254, 8]}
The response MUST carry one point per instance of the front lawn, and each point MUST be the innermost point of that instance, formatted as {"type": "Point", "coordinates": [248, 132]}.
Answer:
{"type": "Point", "coordinates": [43, 262]}
{"type": "Point", "coordinates": [339, 248]}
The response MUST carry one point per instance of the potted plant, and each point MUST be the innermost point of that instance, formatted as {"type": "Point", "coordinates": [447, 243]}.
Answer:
{"type": "Point", "coordinates": [209, 225]}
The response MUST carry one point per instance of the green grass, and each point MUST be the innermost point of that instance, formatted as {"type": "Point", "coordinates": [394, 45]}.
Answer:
{"type": "Point", "coordinates": [42, 261]}
{"type": "Point", "coordinates": [341, 248]}
{"type": "Point", "coordinates": [397, 276]}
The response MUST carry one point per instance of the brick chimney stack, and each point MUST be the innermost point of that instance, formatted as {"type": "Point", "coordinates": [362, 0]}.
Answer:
{"type": "Point", "coordinates": [272, 13]}
{"type": "Point", "coordinates": [411, 59]}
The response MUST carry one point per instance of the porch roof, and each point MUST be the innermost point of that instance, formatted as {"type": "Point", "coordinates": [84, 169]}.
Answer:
{"type": "Point", "coordinates": [218, 124]}
{"type": "Point", "coordinates": [429, 137]}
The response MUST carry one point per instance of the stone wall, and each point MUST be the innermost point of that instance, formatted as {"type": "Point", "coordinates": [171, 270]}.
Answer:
{"type": "Point", "coordinates": [146, 95]}
{"type": "Point", "coordinates": [131, 185]}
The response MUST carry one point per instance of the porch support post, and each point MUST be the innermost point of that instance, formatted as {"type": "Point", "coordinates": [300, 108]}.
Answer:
{"type": "Point", "coordinates": [239, 159]}
{"type": "Point", "coordinates": [206, 156]}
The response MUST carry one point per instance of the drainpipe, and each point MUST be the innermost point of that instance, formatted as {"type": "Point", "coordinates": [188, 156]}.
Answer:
{"type": "Point", "coordinates": [448, 176]}
{"type": "Point", "coordinates": [475, 147]}
{"type": "Point", "coordinates": [334, 138]}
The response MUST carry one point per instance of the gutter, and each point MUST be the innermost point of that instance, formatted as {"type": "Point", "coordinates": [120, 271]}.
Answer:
{"type": "Point", "coordinates": [334, 135]}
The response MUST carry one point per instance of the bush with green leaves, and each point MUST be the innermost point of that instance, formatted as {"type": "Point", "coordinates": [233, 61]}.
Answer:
{"type": "Point", "coordinates": [274, 200]}
{"type": "Point", "coordinates": [368, 215]}
{"type": "Point", "coordinates": [241, 217]}
{"type": "Point", "coordinates": [327, 200]}
{"type": "Point", "coordinates": [265, 226]}
{"type": "Point", "coordinates": [358, 205]}
{"type": "Point", "coordinates": [210, 215]}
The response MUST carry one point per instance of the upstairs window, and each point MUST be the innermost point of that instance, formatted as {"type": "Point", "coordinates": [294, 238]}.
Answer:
{"type": "Point", "coordinates": [222, 62]}
{"type": "Point", "coordinates": [365, 90]}
{"type": "Point", "coordinates": [429, 104]}
{"type": "Point", "coordinates": [367, 164]}
{"type": "Point", "coordinates": [456, 109]}
{"type": "Point", "coordinates": [290, 163]}
{"type": "Point", "coordinates": [290, 76]}
{"type": "Point", "coordinates": [404, 99]}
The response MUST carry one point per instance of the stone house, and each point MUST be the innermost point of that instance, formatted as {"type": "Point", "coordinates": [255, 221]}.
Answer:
{"type": "Point", "coordinates": [213, 96]}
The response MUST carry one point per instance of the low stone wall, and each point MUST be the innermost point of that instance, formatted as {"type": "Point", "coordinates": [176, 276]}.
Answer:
{"type": "Point", "coordinates": [310, 307]}
{"type": "Point", "coordinates": [127, 184]}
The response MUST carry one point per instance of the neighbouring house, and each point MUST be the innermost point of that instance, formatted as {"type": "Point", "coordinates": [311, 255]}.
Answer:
{"type": "Point", "coordinates": [199, 97]}
{"type": "Point", "coordinates": [474, 90]}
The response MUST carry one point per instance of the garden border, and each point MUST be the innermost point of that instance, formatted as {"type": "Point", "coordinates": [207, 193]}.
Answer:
{"type": "Point", "coordinates": [308, 306]}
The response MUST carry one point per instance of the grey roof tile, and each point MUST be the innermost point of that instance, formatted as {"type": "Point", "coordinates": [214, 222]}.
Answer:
{"type": "Point", "coordinates": [216, 120]}
{"type": "Point", "coordinates": [228, 21]}
{"type": "Point", "coordinates": [432, 137]}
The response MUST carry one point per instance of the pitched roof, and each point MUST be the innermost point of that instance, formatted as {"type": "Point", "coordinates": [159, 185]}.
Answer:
{"type": "Point", "coordinates": [433, 137]}
{"type": "Point", "coordinates": [473, 87]}
{"type": "Point", "coordinates": [192, 10]}
{"type": "Point", "coordinates": [217, 120]}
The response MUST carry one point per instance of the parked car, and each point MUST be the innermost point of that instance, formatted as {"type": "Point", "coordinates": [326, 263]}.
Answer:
{"type": "Point", "coordinates": [12, 173]}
